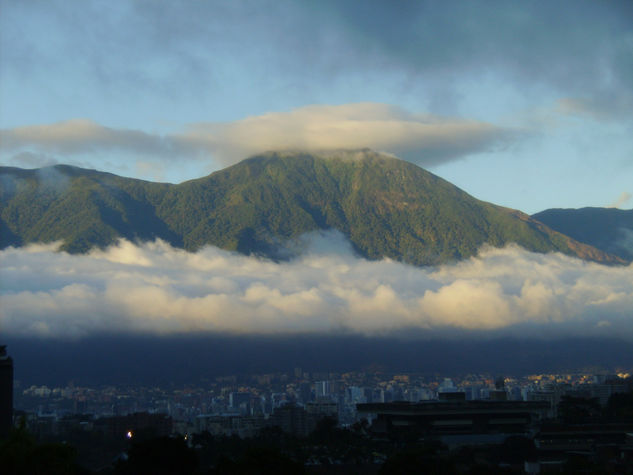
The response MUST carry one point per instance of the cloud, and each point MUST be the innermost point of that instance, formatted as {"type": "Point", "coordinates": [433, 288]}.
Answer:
{"type": "Point", "coordinates": [578, 47]}
{"type": "Point", "coordinates": [156, 289]}
{"type": "Point", "coordinates": [31, 160]}
{"type": "Point", "coordinates": [536, 46]}
{"type": "Point", "coordinates": [600, 107]}
{"type": "Point", "coordinates": [622, 200]}
{"type": "Point", "coordinates": [83, 136]}
{"type": "Point", "coordinates": [625, 240]}
{"type": "Point", "coordinates": [424, 139]}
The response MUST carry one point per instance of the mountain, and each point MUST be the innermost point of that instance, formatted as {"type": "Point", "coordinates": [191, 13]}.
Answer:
{"type": "Point", "coordinates": [386, 207]}
{"type": "Point", "coordinates": [608, 229]}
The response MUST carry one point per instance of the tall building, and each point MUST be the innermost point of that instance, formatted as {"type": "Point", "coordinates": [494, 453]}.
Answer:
{"type": "Point", "coordinates": [6, 392]}
{"type": "Point", "coordinates": [322, 389]}
{"type": "Point", "coordinates": [240, 401]}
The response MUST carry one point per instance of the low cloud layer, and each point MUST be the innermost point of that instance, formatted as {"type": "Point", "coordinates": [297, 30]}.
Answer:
{"type": "Point", "coordinates": [424, 139]}
{"type": "Point", "coordinates": [154, 288]}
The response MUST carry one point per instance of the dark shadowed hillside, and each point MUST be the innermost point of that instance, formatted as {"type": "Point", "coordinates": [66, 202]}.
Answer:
{"type": "Point", "coordinates": [608, 229]}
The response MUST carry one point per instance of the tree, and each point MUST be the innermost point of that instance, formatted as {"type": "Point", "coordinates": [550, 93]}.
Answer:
{"type": "Point", "coordinates": [20, 454]}
{"type": "Point", "coordinates": [159, 456]}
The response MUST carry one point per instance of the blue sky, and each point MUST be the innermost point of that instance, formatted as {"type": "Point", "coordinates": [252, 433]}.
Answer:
{"type": "Point", "coordinates": [525, 104]}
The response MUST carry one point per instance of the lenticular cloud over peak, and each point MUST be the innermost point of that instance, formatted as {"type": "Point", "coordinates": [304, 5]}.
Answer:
{"type": "Point", "coordinates": [157, 289]}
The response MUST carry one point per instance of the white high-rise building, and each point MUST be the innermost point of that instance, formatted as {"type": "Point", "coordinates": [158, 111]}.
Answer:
{"type": "Point", "coordinates": [322, 389]}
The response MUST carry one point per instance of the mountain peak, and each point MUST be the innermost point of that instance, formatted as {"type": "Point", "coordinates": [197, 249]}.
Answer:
{"type": "Point", "coordinates": [340, 154]}
{"type": "Point", "coordinates": [386, 207]}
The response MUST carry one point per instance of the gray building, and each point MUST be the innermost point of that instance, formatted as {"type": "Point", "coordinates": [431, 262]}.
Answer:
{"type": "Point", "coordinates": [6, 392]}
{"type": "Point", "coordinates": [455, 417]}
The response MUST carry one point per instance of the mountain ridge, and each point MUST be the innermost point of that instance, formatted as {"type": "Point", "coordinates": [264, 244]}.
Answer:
{"type": "Point", "coordinates": [608, 229]}
{"type": "Point", "coordinates": [386, 207]}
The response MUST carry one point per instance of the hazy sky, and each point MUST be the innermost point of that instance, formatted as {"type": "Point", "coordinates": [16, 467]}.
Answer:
{"type": "Point", "coordinates": [525, 104]}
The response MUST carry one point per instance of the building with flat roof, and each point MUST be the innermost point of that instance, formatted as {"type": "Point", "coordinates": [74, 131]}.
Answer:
{"type": "Point", "coordinates": [455, 417]}
{"type": "Point", "coordinates": [6, 392]}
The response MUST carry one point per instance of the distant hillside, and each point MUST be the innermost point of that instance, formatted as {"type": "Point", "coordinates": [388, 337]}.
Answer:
{"type": "Point", "coordinates": [608, 229]}
{"type": "Point", "coordinates": [385, 206]}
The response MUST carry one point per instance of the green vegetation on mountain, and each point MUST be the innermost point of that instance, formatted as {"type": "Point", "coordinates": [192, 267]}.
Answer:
{"type": "Point", "coordinates": [386, 207]}
{"type": "Point", "coordinates": [608, 229]}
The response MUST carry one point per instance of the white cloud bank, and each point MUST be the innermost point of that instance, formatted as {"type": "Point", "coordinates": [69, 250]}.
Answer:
{"type": "Point", "coordinates": [423, 139]}
{"type": "Point", "coordinates": [154, 288]}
